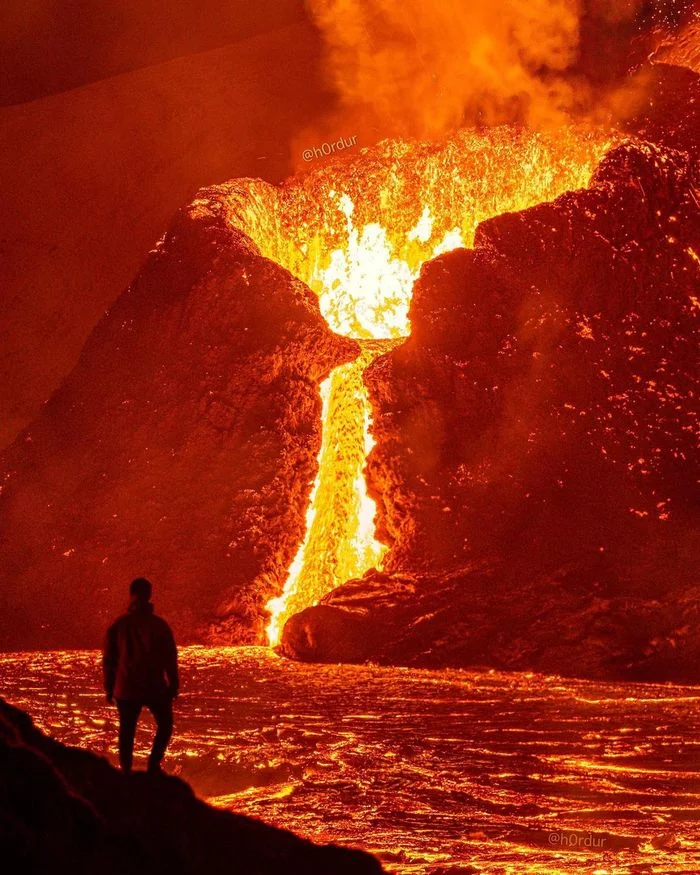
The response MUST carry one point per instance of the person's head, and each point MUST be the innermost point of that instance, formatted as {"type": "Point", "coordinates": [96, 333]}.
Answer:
{"type": "Point", "coordinates": [140, 589]}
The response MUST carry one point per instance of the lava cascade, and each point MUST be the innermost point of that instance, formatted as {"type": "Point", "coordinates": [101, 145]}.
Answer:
{"type": "Point", "coordinates": [339, 541]}
{"type": "Point", "coordinates": [357, 233]}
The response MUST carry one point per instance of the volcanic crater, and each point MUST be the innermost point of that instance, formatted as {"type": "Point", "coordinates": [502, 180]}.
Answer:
{"type": "Point", "coordinates": [394, 404]}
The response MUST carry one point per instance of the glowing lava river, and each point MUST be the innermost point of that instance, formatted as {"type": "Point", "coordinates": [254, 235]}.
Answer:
{"type": "Point", "coordinates": [433, 771]}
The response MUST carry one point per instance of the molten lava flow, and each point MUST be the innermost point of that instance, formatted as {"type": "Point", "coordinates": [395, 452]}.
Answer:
{"type": "Point", "coordinates": [629, 749]}
{"type": "Point", "coordinates": [357, 233]}
{"type": "Point", "coordinates": [339, 542]}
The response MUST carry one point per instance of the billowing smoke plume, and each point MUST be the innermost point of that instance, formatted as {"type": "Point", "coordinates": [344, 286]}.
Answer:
{"type": "Point", "coordinates": [421, 68]}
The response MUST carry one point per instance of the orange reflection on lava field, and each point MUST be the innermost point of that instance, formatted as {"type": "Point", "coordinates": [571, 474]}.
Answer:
{"type": "Point", "coordinates": [508, 773]}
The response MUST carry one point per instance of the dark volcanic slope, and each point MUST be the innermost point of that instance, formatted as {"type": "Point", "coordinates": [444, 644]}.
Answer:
{"type": "Point", "coordinates": [536, 460]}
{"type": "Point", "coordinates": [65, 810]}
{"type": "Point", "coordinates": [182, 447]}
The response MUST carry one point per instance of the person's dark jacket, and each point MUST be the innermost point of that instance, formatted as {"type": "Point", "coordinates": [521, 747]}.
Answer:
{"type": "Point", "coordinates": [140, 656]}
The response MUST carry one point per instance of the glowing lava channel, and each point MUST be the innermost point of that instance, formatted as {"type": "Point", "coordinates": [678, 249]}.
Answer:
{"type": "Point", "coordinates": [339, 543]}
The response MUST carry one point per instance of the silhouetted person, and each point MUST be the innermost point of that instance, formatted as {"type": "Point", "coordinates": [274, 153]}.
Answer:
{"type": "Point", "coordinates": [140, 669]}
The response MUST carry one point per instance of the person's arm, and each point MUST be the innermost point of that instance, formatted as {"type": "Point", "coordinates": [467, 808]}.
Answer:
{"type": "Point", "coordinates": [171, 671]}
{"type": "Point", "coordinates": [110, 660]}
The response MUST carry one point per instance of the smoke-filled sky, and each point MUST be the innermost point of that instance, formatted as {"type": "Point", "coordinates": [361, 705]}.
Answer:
{"type": "Point", "coordinates": [424, 68]}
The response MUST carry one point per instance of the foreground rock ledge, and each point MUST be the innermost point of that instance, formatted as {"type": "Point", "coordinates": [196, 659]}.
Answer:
{"type": "Point", "coordinates": [63, 809]}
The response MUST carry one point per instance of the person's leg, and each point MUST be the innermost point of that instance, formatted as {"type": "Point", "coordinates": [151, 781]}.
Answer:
{"type": "Point", "coordinates": [162, 711]}
{"type": "Point", "coordinates": [128, 718]}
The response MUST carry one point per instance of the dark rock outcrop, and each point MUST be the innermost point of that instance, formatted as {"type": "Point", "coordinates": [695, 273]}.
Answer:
{"type": "Point", "coordinates": [546, 397]}
{"type": "Point", "coordinates": [181, 447]}
{"type": "Point", "coordinates": [535, 463]}
{"type": "Point", "coordinates": [572, 621]}
{"type": "Point", "coordinates": [63, 809]}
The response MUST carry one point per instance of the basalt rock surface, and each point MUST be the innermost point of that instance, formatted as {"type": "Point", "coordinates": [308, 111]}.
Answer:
{"type": "Point", "coordinates": [182, 447]}
{"type": "Point", "coordinates": [63, 809]}
{"type": "Point", "coordinates": [575, 620]}
{"type": "Point", "coordinates": [535, 464]}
